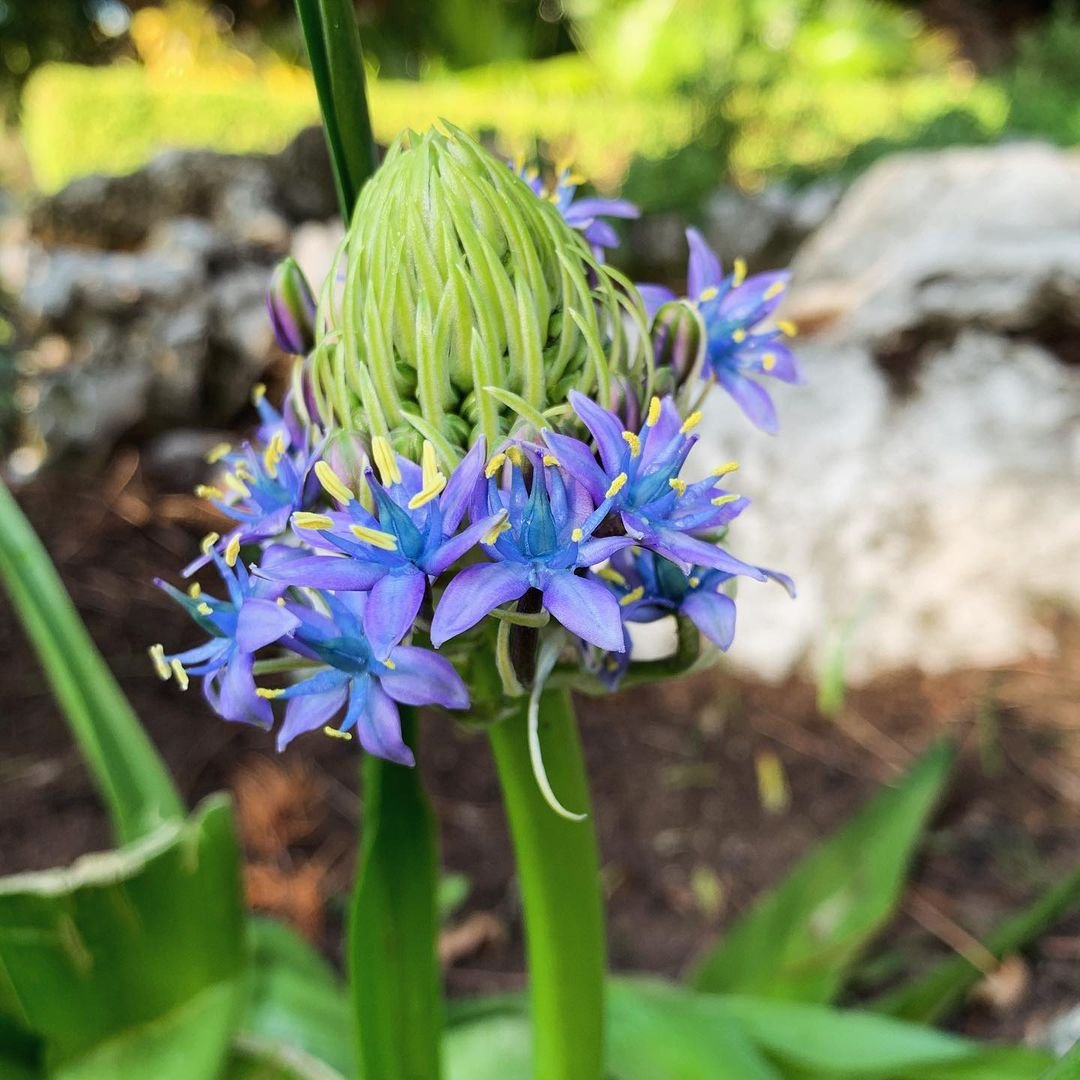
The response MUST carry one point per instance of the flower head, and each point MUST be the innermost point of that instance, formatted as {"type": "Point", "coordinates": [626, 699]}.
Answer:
{"type": "Point", "coordinates": [544, 542]}
{"type": "Point", "coordinates": [250, 619]}
{"type": "Point", "coordinates": [740, 340]}
{"type": "Point", "coordinates": [367, 687]}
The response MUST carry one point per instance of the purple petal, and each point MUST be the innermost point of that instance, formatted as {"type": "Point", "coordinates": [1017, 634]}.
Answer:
{"type": "Point", "coordinates": [752, 399]}
{"type": "Point", "coordinates": [655, 297]}
{"type": "Point", "coordinates": [326, 572]}
{"type": "Point", "coordinates": [605, 428]}
{"type": "Point", "coordinates": [261, 623]}
{"type": "Point", "coordinates": [596, 207]}
{"type": "Point", "coordinates": [378, 723]}
{"type": "Point", "coordinates": [585, 608]}
{"type": "Point", "coordinates": [235, 694]}
{"type": "Point", "coordinates": [783, 580]}
{"type": "Point", "coordinates": [473, 593]}
{"type": "Point", "coordinates": [461, 486]}
{"type": "Point", "coordinates": [311, 704]}
{"type": "Point", "coordinates": [748, 304]}
{"type": "Point", "coordinates": [713, 614]}
{"type": "Point", "coordinates": [391, 610]}
{"type": "Point", "coordinates": [444, 556]}
{"type": "Point", "coordinates": [704, 271]}
{"type": "Point", "coordinates": [597, 551]}
{"type": "Point", "coordinates": [784, 365]}
{"type": "Point", "coordinates": [689, 551]}
{"type": "Point", "coordinates": [421, 677]}
{"type": "Point", "coordinates": [579, 461]}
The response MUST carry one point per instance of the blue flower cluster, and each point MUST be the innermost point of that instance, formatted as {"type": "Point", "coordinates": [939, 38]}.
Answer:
{"type": "Point", "coordinates": [591, 525]}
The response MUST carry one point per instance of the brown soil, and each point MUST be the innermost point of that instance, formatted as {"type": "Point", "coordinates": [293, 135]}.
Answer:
{"type": "Point", "coordinates": [688, 834]}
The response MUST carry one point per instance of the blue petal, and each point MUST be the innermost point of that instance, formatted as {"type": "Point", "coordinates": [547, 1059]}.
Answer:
{"type": "Point", "coordinates": [234, 698]}
{"type": "Point", "coordinates": [475, 592]}
{"type": "Point", "coordinates": [654, 297]}
{"type": "Point", "coordinates": [326, 572]}
{"type": "Point", "coordinates": [605, 428]}
{"type": "Point", "coordinates": [461, 486]}
{"type": "Point", "coordinates": [261, 623]}
{"type": "Point", "coordinates": [310, 711]}
{"type": "Point", "coordinates": [391, 610]}
{"type": "Point", "coordinates": [420, 677]}
{"type": "Point", "coordinates": [704, 271]}
{"type": "Point", "coordinates": [713, 614]}
{"type": "Point", "coordinates": [579, 461]}
{"type": "Point", "coordinates": [585, 608]}
{"type": "Point", "coordinates": [444, 556]}
{"type": "Point", "coordinates": [378, 722]}
{"type": "Point", "coordinates": [752, 399]}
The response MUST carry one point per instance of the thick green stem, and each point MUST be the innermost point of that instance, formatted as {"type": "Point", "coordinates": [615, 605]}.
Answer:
{"type": "Point", "coordinates": [394, 925]}
{"type": "Point", "coordinates": [337, 64]}
{"type": "Point", "coordinates": [127, 770]}
{"type": "Point", "coordinates": [559, 876]}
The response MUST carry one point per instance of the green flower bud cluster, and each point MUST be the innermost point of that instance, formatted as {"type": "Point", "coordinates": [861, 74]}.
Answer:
{"type": "Point", "coordinates": [462, 303]}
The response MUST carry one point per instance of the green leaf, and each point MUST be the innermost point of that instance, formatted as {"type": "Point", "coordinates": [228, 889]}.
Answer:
{"type": "Point", "coordinates": [394, 925]}
{"type": "Point", "coordinates": [800, 940]}
{"type": "Point", "coordinates": [129, 964]}
{"type": "Point", "coordinates": [264, 1059]}
{"type": "Point", "coordinates": [1068, 1068]}
{"type": "Point", "coordinates": [130, 776]}
{"type": "Point", "coordinates": [941, 990]}
{"type": "Point", "coordinates": [497, 1047]}
{"type": "Point", "coordinates": [992, 1063]}
{"type": "Point", "coordinates": [296, 1000]}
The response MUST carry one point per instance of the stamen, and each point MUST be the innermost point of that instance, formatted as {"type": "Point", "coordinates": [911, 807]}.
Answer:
{"type": "Point", "coordinates": [232, 551]}
{"type": "Point", "coordinates": [208, 542]}
{"type": "Point", "coordinates": [786, 326]}
{"type": "Point", "coordinates": [385, 460]}
{"type": "Point", "coordinates": [157, 655]}
{"type": "Point", "coordinates": [775, 289]}
{"type": "Point", "coordinates": [690, 422]}
{"type": "Point", "coordinates": [194, 590]}
{"type": "Point", "coordinates": [337, 733]}
{"type": "Point", "coordinates": [654, 411]}
{"type": "Point", "coordinates": [258, 392]}
{"type": "Point", "coordinates": [304, 520]}
{"type": "Point", "coordinates": [496, 530]}
{"type": "Point", "coordinates": [390, 664]}
{"type": "Point", "coordinates": [723, 470]}
{"type": "Point", "coordinates": [768, 361]}
{"type": "Point", "coordinates": [274, 452]}
{"type": "Point", "coordinates": [609, 573]}
{"type": "Point", "coordinates": [616, 486]}
{"type": "Point", "coordinates": [181, 675]}
{"type": "Point", "coordinates": [678, 484]}
{"type": "Point", "coordinates": [243, 471]}
{"type": "Point", "coordinates": [207, 491]}
{"type": "Point", "coordinates": [632, 597]}
{"type": "Point", "coordinates": [551, 461]}
{"type": "Point", "coordinates": [577, 536]}
{"type": "Point", "coordinates": [375, 537]}
{"type": "Point", "coordinates": [216, 453]}
{"type": "Point", "coordinates": [633, 442]}
{"type": "Point", "coordinates": [264, 692]}
{"type": "Point", "coordinates": [711, 293]}
{"type": "Point", "coordinates": [694, 582]}
{"type": "Point", "coordinates": [738, 336]}
{"type": "Point", "coordinates": [738, 272]}
{"type": "Point", "coordinates": [233, 481]}
{"type": "Point", "coordinates": [422, 498]}
{"type": "Point", "coordinates": [280, 601]}
{"type": "Point", "coordinates": [205, 609]}
{"type": "Point", "coordinates": [515, 455]}
{"type": "Point", "coordinates": [723, 500]}
{"type": "Point", "coordinates": [494, 465]}
{"type": "Point", "coordinates": [332, 484]}
{"type": "Point", "coordinates": [430, 467]}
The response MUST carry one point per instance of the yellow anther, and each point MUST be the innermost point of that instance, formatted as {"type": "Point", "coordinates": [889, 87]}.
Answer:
{"type": "Point", "coordinates": [429, 464]}
{"type": "Point", "coordinates": [577, 536]}
{"type": "Point", "coordinates": [609, 573]}
{"type": "Point", "coordinates": [264, 692]}
{"type": "Point", "coordinates": [157, 655]}
{"type": "Point", "coordinates": [768, 361]}
{"type": "Point", "coordinates": [274, 452]}
{"type": "Point", "coordinates": [496, 530]}
{"type": "Point", "coordinates": [390, 664]}
{"type": "Point", "coordinates": [711, 293]}
{"type": "Point", "coordinates": [616, 486]}
{"type": "Point", "coordinates": [194, 590]}
{"type": "Point", "coordinates": [208, 542]}
{"type": "Point", "coordinates": [422, 498]}
{"type": "Point", "coordinates": [775, 289]}
{"type": "Point", "coordinates": [633, 442]}
{"type": "Point", "coordinates": [738, 336]}
{"type": "Point", "coordinates": [723, 500]}
{"type": "Point", "coordinates": [232, 551]}
{"type": "Point", "coordinates": [723, 470]}
{"type": "Point", "coordinates": [632, 596]}
{"type": "Point", "coordinates": [304, 520]}
{"type": "Point", "coordinates": [375, 537]}
{"type": "Point", "coordinates": [494, 465]}
{"type": "Point", "coordinates": [207, 491]}
{"type": "Point", "coordinates": [218, 452]}
{"type": "Point", "coordinates": [332, 484]}
{"type": "Point", "coordinates": [182, 679]}
{"type": "Point", "coordinates": [654, 411]}
{"type": "Point", "coordinates": [204, 609]}
{"type": "Point", "coordinates": [337, 733]}
{"type": "Point", "coordinates": [691, 422]}
{"type": "Point", "coordinates": [515, 455]}
{"type": "Point", "coordinates": [678, 484]}
{"type": "Point", "coordinates": [280, 601]}
{"type": "Point", "coordinates": [234, 483]}
{"type": "Point", "coordinates": [385, 460]}
{"type": "Point", "coordinates": [694, 582]}
{"type": "Point", "coordinates": [243, 471]}
{"type": "Point", "coordinates": [738, 272]}
{"type": "Point", "coordinates": [551, 461]}
{"type": "Point", "coordinates": [786, 326]}
{"type": "Point", "coordinates": [258, 392]}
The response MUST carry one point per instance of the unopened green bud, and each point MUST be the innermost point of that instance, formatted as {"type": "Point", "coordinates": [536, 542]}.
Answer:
{"type": "Point", "coordinates": [463, 302]}
{"type": "Point", "coordinates": [678, 340]}
{"type": "Point", "coordinates": [292, 307]}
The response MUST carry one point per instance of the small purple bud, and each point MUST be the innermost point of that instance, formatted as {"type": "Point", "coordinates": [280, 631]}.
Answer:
{"type": "Point", "coordinates": [678, 337]}
{"type": "Point", "coordinates": [625, 403]}
{"type": "Point", "coordinates": [291, 304]}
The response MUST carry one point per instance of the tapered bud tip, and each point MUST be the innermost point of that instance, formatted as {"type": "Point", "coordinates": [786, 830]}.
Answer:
{"type": "Point", "coordinates": [291, 304]}
{"type": "Point", "coordinates": [678, 338]}
{"type": "Point", "coordinates": [625, 403]}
